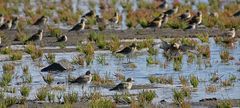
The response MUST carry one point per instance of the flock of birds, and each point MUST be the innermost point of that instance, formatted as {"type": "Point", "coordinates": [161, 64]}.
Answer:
{"type": "Point", "coordinates": [157, 22]}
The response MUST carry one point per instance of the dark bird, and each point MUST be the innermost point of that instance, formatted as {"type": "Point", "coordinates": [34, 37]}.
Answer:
{"type": "Point", "coordinates": [91, 13]}
{"type": "Point", "coordinates": [128, 50]}
{"type": "Point", "coordinates": [163, 5]}
{"type": "Point", "coordinates": [165, 19]}
{"type": "Point", "coordinates": [196, 19]}
{"type": "Point", "coordinates": [36, 37]}
{"type": "Point", "coordinates": [170, 12]}
{"type": "Point", "coordinates": [1, 19]}
{"type": "Point", "coordinates": [15, 23]}
{"type": "Point", "coordinates": [185, 16]}
{"type": "Point", "coordinates": [6, 25]}
{"type": "Point", "coordinates": [156, 22]}
{"type": "Point", "coordinates": [126, 85]}
{"type": "Point", "coordinates": [62, 38]}
{"type": "Point", "coordinates": [83, 79]}
{"type": "Point", "coordinates": [41, 21]}
{"type": "Point", "coordinates": [191, 26]}
{"type": "Point", "coordinates": [78, 26]}
{"type": "Point", "coordinates": [236, 14]}
{"type": "Point", "coordinates": [115, 18]}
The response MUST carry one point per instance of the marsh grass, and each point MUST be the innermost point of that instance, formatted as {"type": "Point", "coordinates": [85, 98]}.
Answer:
{"type": "Point", "coordinates": [49, 78]}
{"type": "Point", "coordinates": [101, 103]}
{"type": "Point", "coordinates": [178, 96]}
{"type": "Point", "coordinates": [146, 96]}
{"type": "Point", "coordinates": [204, 37]}
{"type": "Point", "coordinates": [54, 32]}
{"type": "Point", "coordinates": [153, 79]}
{"type": "Point", "coordinates": [224, 104]}
{"type": "Point", "coordinates": [161, 79]}
{"type": "Point", "coordinates": [78, 60]}
{"type": "Point", "coordinates": [41, 94]}
{"type": "Point", "coordinates": [9, 101]}
{"type": "Point", "coordinates": [25, 90]}
{"type": "Point", "coordinates": [176, 24]}
{"type": "Point", "coordinates": [26, 78]}
{"type": "Point", "coordinates": [101, 60]}
{"type": "Point", "coordinates": [177, 63]}
{"type": "Point", "coordinates": [211, 88]}
{"type": "Point", "coordinates": [6, 50]}
{"type": "Point", "coordinates": [8, 67]}
{"type": "Point", "coordinates": [151, 60]}
{"type": "Point", "coordinates": [225, 56]}
{"type": "Point", "coordinates": [215, 77]}
{"type": "Point", "coordinates": [89, 59]}
{"type": "Point", "coordinates": [33, 51]}
{"type": "Point", "coordinates": [204, 51]}
{"type": "Point", "coordinates": [152, 51]}
{"type": "Point", "coordinates": [71, 97]}
{"type": "Point", "coordinates": [194, 81]}
{"type": "Point", "coordinates": [17, 55]}
{"type": "Point", "coordinates": [183, 80]}
{"type": "Point", "coordinates": [21, 36]}
{"type": "Point", "coordinates": [98, 80]}
{"type": "Point", "coordinates": [114, 44]}
{"type": "Point", "coordinates": [88, 49]}
{"type": "Point", "coordinates": [51, 97]}
{"type": "Point", "coordinates": [50, 57]}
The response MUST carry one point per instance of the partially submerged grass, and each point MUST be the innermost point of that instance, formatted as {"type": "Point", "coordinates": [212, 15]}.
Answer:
{"type": "Point", "coordinates": [41, 94]}
{"type": "Point", "coordinates": [6, 50]}
{"type": "Point", "coordinates": [151, 60]}
{"type": "Point", "coordinates": [50, 57]}
{"type": "Point", "coordinates": [183, 80]}
{"type": "Point", "coordinates": [25, 90]}
{"type": "Point", "coordinates": [146, 96]}
{"type": "Point", "coordinates": [33, 51]}
{"type": "Point", "coordinates": [225, 56]}
{"type": "Point", "coordinates": [204, 37]}
{"type": "Point", "coordinates": [114, 44]}
{"type": "Point", "coordinates": [78, 60]}
{"type": "Point", "coordinates": [71, 97]}
{"type": "Point", "coordinates": [101, 103]}
{"type": "Point", "coordinates": [161, 79]}
{"type": "Point", "coordinates": [49, 78]}
{"type": "Point", "coordinates": [211, 88]}
{"type": "Point", "coordinates": [194, 81]}
{"type": "Point", "coordinates": [178, 96]}
{"type": "Point", "coordinates": [17, 55]}
{"type": "Point", "coordinates": [224, 104]}
{"type": "Point", "coordinates": [98, 80]}
{"type": "Point", "coordinates": [101, 60]}
{"type": "Point", "coordinates": [8, 67]}
{"type": "Point", "coordinates": [88, 49]}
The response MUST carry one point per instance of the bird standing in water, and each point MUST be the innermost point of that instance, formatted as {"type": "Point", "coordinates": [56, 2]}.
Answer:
{"type": "Point", "coordinates": [128, 51]}
{"type": "Point", "coordinates": [126, 85]}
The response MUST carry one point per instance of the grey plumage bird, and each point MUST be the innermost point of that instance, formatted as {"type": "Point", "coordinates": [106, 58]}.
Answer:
{"type": "Point", "coordinates": [83, 79]}
{"type": "Point", "coordinates": [185, 16]}
{"type": "Point", "coordinates": [15, 23]}
{"type": "Point", "coordinates": [196, 19]}
{"type": "Point", "coordinates": [1, 19]}
{"type": "Point", "coordinates": [78, 26]}
{"type": "Point", "coordinates": [126, 85]}
{"type": "Point", "coordinates": [170, 12]}
{"type": "Point", "coordinates": [42, 21]}
{"type": "Point", "coordinates": [62, 38]}
{"type": "Point", "coordinates": [36, 37]}
{"type": "Point", "coordinates": [128, 51]}
{"type": "Point", "coordinates": [6, 25]}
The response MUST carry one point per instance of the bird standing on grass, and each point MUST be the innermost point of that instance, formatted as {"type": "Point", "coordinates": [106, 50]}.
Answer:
{"type": "Point", "coordinates": [196, 19]}
{"type": "Point", "coordinates": [126, 85]}
{"type": "Point", "coordinates": [115, 19]}
{"type": "Point", "coordinates": [36, 37]}
{"type": "Point", "coordinates": [156, 22]}
{"type": "Point", "coordinates": [6, 25]}
{"type": "Point", "coordinates": [79, 26]}
{"type": "Point", "coordinates": [83, 79]}
{"type": "Point", "coordinates": [165, 19]}
{"type": "Point", "coordinates": [185, 16]}
{"type": "Point", "coordinates": [128, 51]}
{"type": "Point", "coordinates": [229, 36]}
{"type": "Point", "coordinates": [41, 22]}
{"type": "Point", "coordinates": [170, 12]}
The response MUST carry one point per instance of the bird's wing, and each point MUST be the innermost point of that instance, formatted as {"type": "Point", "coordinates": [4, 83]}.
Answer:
{"type": "Point", "coordinates": [75, 27]}
{"type": "Point", "coordinates": [38, 21]}
{"type": "Point", "coordinates": [118, 87]}
{"type": "Point", "coordinates": [165, 45]}
{"type": "Point", "coordinates": [127, 49]}
{"type": "Point", "coordinates": [185, 48]}
{"type": "Point", "coordinates": [82, 79]}
{"type": "Point", "coordinates": [33, 38]}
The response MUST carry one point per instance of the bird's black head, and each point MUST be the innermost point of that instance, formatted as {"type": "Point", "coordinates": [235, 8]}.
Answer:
{"type": "Point", "coordinates": [88, 73]}
{"type": "Point", "coordinates": [40, 31]}
{"type": "Point", "coordinates": [129, 80]}
{"type": "Point", "coordinates": [187, 11]}
{"type": "Point", "coordinates": [199, 13]}
{"type": "Point", "coordinates": [1, 15]}
{"type": "Point", "coordinates": [97, 16]}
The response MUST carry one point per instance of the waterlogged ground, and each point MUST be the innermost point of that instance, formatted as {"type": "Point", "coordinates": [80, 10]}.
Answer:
{"type": "Point", "coordinates": [141, 73]}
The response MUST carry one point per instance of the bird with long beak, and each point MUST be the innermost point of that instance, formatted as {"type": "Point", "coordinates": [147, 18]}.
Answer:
{"type": "Point", "coordinates": [36, 37]}
{"type": "Point", "coordinates": [41, 22]}
{"type": "Point", "coordinates": [79, 26]}
{"type": "Point", "coordinates": [62, 38]}
{"type": "Point", "coordinates": [126, 85]}
{"type": "Point", "coordinates": [128, 51]}
{"type": "Point", "coordinates": [7, 25]}
{"type": "Point", "coordinates": [83, 79]}
{"type": "Point", "coordinates": [185, 16]}
{"type": "Point", "coordinates": [170, 12]}
{"type": "Point", "coordinates": [196, 19]}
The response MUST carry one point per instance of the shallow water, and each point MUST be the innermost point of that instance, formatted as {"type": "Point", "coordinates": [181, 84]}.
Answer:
{"type": "Point", "coordinates": [141, 73]}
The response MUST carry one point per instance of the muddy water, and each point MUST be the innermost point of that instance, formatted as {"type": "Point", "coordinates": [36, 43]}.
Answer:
{"type": "Point", "coordinates": [141, 73]}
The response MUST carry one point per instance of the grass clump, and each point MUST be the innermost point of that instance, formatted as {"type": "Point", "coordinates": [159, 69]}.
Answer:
{"type": "Point", "coordinates": [6, 50]}
{"type": "Point", "coordinates": [98, 80]}
{"type": "Point", "coordinates": [161, 79]}
{"type": "Point", "coordinates": [8, 67]}
{"type": "Point", "coordinates": [6, 79]}
{"type": "Point", "coordinates": [25, 90]}
{"type": "Point", "coordinates": [178, 96]}
{"type": "Point", "coordinates": [183, 80]}
{"type": "Point", "coordinates": [224, 104]}
{"type": "Point", "coordinates": [114, 44]}
{"type": "Point", "coordinates": [194, 81]}
{"type": "Point", "coordinates": [101, 103]}
{"type": "Point", "coordinates": [26, 78]}
{"type": "Point", "coordinates": [151, 60]}
{"type": "Point", "coordinates": [49, 79]}
{"type": "Point", "coordinates": [33, 51]}
{"type": "Point", "coordinates": [146, 96]}
{"type": "Point", "coordinates": [101, 60]}
{"type": "Point", "coordinates": [55, 32]}
{"type": "Point", "coordinates": [16, 55]}
{"type": "Point", "coordinates": [88, 49]}
{"type": "Point", "coordinates": [78, 60]}
{"type": "Point", "coordinates": [211, 88]}
{"type": "Point", "coordinates": [70, 97]}
{"type": "Point", "coordinates": [204, 37]}
{"type": "Point", "coordinates": [50, 57]}
{"type": "Point", "coordinates": [225, 56]}
{"type": "Point", "coordinates": [41, 94]}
